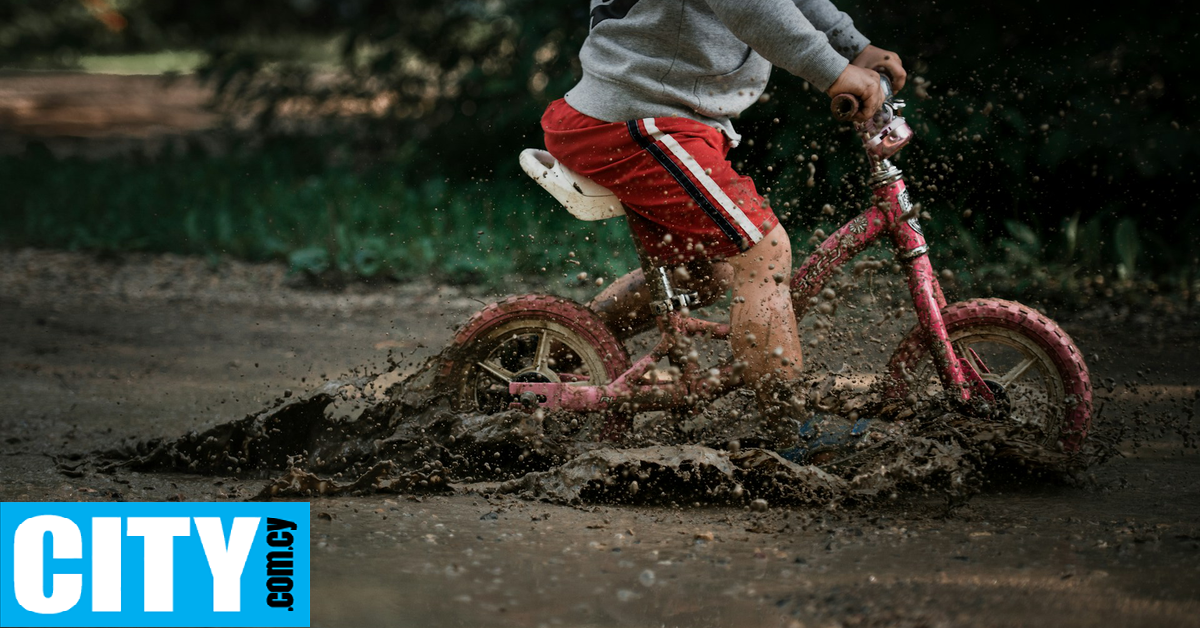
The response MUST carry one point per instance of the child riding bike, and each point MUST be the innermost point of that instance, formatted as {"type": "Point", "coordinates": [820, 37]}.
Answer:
{"type": "Point", "coordinates": [651, 120]}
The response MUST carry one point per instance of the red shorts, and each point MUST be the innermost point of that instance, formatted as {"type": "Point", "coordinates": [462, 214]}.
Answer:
{"type": "Point", "coordinates": [684, 199]}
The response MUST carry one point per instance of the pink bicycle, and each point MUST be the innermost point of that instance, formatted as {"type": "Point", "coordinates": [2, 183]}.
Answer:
{"type": "Point", "coordinates": [994, 358]}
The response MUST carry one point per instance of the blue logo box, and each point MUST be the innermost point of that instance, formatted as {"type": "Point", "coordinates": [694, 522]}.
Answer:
{"type": "Point", "coordinates": [154, 564]}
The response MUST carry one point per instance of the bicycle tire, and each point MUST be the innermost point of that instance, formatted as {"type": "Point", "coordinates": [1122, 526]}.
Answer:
{"type": "Point", "coordinates": [551, 319]}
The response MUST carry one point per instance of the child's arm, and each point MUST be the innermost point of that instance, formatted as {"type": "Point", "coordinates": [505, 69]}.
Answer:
{"type": "Point", "coordinates": [780, 32]}
{"type": "Point", "coordinates": [850, 43]}
{"type": "Point", "coordinates": [836, 25]}
{"type": "Point", "coordinates": [777, 30]}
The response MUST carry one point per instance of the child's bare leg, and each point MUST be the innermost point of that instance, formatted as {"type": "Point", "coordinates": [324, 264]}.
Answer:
{"type": "Point", "coordinates": [624, 304]}
{"type": "Point", "coordinates": [764, 336]}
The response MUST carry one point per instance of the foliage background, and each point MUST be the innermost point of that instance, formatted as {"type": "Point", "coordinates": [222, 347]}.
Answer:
{"type": "Point", "coordinates": [1056, 140]}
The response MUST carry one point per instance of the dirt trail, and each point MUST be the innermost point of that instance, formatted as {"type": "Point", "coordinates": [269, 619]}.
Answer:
{"type": "Point", "coordinates": [154, 348]}
{"type": "Point", "coordinates": [99, 114]}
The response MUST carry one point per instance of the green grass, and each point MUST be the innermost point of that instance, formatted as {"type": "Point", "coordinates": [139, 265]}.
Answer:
{"type": "Point", "coordinates": [292, 201]}
{"type": "Point", "coordinates": [369, 222]}
{"type": "Point", "coordinates": [167, 61]}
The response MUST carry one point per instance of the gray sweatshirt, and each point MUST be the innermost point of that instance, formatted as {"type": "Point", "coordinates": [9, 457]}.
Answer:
{"type": "Point", "coordinates": [707, 60]}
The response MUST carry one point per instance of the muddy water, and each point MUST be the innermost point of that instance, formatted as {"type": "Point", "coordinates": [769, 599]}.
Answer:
{"type": "Point", "coordinates": [1120, 546]}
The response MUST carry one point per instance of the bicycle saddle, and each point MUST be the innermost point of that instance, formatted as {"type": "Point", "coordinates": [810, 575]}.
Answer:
{"type": "Point", "coordinates": [584, 198]}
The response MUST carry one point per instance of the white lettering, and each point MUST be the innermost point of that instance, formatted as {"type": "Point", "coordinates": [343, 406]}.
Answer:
{"type": "Point", "coordinates": [106, 564]}
{"type": "Point", "coordinates": [65, 542]}
{"type": "Point", "coordinates": [226, 563]}
{"type": "Point", "coordinates": [159, 533]}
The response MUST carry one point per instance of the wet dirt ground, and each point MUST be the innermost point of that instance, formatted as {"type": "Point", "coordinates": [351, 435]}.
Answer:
{"type": "Point", "coordinates": [96, 352]}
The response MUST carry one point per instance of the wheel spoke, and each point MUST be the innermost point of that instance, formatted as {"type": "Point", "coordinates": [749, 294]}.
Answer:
{"type": "Point", "coordinates": [541, 358]}
{"type": "Point", "coordinates": [1017, 371]}
{"type": "Point", "coordinates": [497, 371]}
{"type": "Point", "coordinates": [541, 362]}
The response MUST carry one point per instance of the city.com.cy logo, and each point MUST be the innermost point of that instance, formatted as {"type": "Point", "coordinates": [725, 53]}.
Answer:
{"type": "Point", "coordinates": [154, 564]}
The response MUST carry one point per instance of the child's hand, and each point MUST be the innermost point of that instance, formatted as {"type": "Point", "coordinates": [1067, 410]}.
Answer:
{"type": "Point", "coordinates": [863, 84]}
{"type": "Point", "coordinates": [874, 58]}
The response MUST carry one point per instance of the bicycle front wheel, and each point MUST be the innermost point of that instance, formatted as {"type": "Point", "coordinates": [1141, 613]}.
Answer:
{"type": "Point", "coordinates": [1035, 371]}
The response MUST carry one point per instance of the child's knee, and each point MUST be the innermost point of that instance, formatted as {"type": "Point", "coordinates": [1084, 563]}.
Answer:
{"type": "Point", "coordinates": [771, 256]}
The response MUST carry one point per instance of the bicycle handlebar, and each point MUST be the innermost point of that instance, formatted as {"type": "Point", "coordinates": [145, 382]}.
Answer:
{"type": "Point", "coordinates": [846, 106]}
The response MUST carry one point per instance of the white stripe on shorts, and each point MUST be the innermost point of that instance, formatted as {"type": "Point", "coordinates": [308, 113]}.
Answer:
{"type": "Point", "coordinates": [711, 186]}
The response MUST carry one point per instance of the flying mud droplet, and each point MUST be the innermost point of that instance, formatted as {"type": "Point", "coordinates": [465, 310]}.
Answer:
{"type": "Point", "coordinates": [646, 578]}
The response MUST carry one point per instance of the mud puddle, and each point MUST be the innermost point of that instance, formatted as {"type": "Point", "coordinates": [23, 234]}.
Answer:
{"type": "Point", "coordinates": [378, 434]}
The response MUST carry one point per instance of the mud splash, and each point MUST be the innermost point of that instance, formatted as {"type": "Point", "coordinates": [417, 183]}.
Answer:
{"type": "Point", "coordinates": [357, 436]}
{"type": "Point", "coordinates": [353, 436]}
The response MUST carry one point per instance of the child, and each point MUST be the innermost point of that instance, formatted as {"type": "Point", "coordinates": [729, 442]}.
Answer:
{"type": "Point", "coordinates": [651, 120]}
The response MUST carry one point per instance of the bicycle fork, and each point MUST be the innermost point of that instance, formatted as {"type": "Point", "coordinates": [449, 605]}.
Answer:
{"type": "Point", "coordinates": [904, 226]}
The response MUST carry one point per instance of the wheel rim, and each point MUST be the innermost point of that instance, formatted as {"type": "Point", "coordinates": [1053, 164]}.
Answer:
{"type": "Point", "coordinates": [1023, 372]}
{"type": "Point", "coordinates": [532, 350]}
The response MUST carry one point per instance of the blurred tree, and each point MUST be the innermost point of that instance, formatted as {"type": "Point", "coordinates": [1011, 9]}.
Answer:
{"type": "Point", "coordinates": [1062, 117]}
{"type": "Point", "coordinates": [1034, 112]}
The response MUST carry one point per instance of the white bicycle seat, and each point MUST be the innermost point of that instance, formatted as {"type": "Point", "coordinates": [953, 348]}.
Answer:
{"type": "Point", "coordinates": [584, 198]}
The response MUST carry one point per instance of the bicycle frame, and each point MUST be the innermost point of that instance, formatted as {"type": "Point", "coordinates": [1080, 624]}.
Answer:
{"type": "Point", "coordinates": [893, 216]}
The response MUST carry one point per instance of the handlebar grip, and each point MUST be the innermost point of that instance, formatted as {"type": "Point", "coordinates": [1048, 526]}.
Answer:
{"type": "Point", "coordinates": [844, 107]}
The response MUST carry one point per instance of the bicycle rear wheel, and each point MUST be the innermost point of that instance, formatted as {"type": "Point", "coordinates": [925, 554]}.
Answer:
{"type": "Point", "coordinates": [528, 338]}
